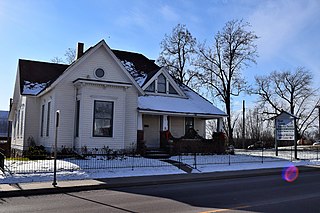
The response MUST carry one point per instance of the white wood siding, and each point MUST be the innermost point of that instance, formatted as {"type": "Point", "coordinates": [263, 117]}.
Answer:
{"type": "Point", "coordinates": [32, 118]}
{"type": "Point", "coordinates": [112, 94]}
{"type": "Point", "coordinates": [125, 104]}
{"type": "Point", "coordinates": [47, 141]}
{"type": "Point", "coordinates": [131, 118]}
{"type": "Point", "coordinates": [18, 124]}
{"type": "Point", "coordinates": [177, 126]}
{"type": "Point", "coordinates": [200, 126]}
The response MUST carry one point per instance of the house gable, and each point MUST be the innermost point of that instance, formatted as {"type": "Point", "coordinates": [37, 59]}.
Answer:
{"type": "Point", "coordinates": [164, 80]}
{"type": "Point", "coordinates": [113, 69]}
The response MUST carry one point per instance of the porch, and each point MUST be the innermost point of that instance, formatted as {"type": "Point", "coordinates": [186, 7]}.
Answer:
{"type": "Point", "coordinates": [182, 133]}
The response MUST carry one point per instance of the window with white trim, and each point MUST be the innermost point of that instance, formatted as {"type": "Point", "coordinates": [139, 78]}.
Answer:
{"type": "Point", "coordinates": [103, 119]}
{"type": "Point", "coordinates": [172, 90]}
{"type": "Point", "coordinates": [162, 84]}
{"type": "Point", "coordinates": [48, 118]}
{"type": "Point", "coordinates": [42, 120]}
{"type": "Point", "coordinates": [151, 87]}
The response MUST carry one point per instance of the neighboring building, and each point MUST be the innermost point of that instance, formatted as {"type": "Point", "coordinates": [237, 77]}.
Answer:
{"type": "Point", "coordinates": [4, 124]}
{"type": "Point", "coordinates": [106, 97]}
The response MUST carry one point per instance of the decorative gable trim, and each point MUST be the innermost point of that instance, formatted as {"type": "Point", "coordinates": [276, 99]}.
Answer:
{"type": "Point", "coordinates": [81, 81]}
{"type": "Point", "coordinates": [169, 80]}
{"type": "Point", "coordinates": [88, 53]}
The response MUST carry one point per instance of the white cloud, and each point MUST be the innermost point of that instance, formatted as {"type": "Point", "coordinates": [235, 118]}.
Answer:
{"type": "Point", "coordinates": [278, 23]}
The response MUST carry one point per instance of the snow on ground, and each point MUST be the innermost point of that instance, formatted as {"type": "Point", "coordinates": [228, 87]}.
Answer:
{"type": "Point", "coordinates": [42, 170]}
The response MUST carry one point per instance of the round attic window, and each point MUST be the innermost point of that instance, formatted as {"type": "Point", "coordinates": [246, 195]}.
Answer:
{"type": "Point", "coordinates": [99, 72]}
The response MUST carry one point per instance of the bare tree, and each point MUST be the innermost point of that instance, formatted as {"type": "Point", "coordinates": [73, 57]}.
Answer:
{"type": "Point", "coordinates": [176, 54]}
{"type": "Point", "coordinates": [289, 91]}
{"type": "Point", "coordinates": [233, 50]}
{"type": "Point", "coordinates": [70, 56]}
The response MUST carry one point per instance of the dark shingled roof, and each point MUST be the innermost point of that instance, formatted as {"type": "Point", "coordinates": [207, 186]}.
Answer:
{"type": "Point", "coordinates": [44, 72]}
{"type": "Point", "coordinates": [39, 72]}
{"type": "Point", "coordinates": [141, 63]}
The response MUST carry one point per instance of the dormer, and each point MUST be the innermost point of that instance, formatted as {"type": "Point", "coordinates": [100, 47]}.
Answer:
{"type": "Point", "coordinates": [162, 84]}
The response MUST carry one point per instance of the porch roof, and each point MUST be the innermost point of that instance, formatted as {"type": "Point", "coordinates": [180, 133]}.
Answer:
{"type": "Point", "coordinates": [193, 105]}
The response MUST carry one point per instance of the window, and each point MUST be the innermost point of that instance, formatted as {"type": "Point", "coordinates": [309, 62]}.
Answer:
{"type": "Point", "coordinates": [189, 123]}
{"type": "Point", "coordinates": [18, 123]}
{"type": "Point", "coordinates": [42, 120]}
{"type": "Point", "coordinates": [103, 119]}
{"type": "Point", "coordinates": [172, 90]}
{"type": "Point", "coordinates": [99, 73]}
{"type": "Point", "coordinates": [21, 123]}
{"type": "Point", "coordinates": [77, 118]}
{"type": "Point", "coordinates": [151, 87]}
{"type": "Point", "coordinates": [48, 119]}
{"type": "Point", "coordinates": [162, 84]}
{"type": "Point", "coordinates": [15, 128]}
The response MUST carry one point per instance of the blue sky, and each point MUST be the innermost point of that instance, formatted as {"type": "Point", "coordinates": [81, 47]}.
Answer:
{"type": "Point", "coordinates": [289, 30]}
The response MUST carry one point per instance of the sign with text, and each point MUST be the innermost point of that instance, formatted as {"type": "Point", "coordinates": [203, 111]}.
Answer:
{"type": "Point", "coordinates": [285, 128]}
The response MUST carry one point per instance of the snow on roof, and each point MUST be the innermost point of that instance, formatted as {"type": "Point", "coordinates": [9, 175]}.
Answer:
{"type": "Point", "coordinates": [193, 104]}
{"type": "Point", "coordinates": [31, 88]}
{"type": "Point", "coordinates": [36, 75]}
{"type": "Point", "coordinates": [139, 77]}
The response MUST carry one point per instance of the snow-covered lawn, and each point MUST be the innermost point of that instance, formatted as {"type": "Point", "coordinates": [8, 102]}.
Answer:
{"type": "Point", "coordinates": [70, 169]}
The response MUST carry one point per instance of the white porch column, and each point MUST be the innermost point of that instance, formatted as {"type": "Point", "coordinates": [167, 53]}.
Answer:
{"type": "Point", "coordinates": [220, 125]}
{"type": "Point", "coordinates": [140, 123]}
{"type": "Point", "coordinates": [165, 125]}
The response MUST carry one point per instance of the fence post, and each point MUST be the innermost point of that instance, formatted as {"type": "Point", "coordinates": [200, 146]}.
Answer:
{"type": "Point", "coordinates": [179, 155]}
{"type": "Point", "coordinates": [318, 150]}
{"type": "Point", "coordinates": [262, 156]}
{"type": "Point", "coordinates": [195, 160]}
{"type": "Point", "coordinates": [229, 159]}
{"type": "Point", "coordinates": [2, 157]}
{"type": "Point", "coordinates": [132, 158]}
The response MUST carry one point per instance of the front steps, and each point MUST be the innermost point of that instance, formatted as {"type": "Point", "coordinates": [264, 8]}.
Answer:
{"type": "Point", "coordinates": [157, 154]}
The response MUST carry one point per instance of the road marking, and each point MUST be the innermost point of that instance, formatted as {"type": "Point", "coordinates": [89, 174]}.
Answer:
{"type": "Point", "coordinates": [225, 210]}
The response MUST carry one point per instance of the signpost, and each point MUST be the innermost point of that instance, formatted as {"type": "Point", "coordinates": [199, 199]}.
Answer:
{"type": "Point", "coordinates": [54, 183]}
{"type": "Point", "coordinates": [285, 124]}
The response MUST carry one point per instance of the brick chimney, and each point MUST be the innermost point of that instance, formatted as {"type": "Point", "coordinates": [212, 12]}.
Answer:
{"type": "Point", "coordinates": [79, 50]}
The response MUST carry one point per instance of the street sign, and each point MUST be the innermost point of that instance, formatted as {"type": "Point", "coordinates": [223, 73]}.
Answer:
{"type": "Point", "coordinates": [285, 128]}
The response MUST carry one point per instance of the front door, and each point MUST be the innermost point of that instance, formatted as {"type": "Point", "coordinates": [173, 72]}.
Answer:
{"type": "Point", "coordinates": [151, 129]}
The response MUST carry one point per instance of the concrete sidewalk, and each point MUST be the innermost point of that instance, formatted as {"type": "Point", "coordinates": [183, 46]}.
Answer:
{"type": "Point", "coordinates": [40, 188]}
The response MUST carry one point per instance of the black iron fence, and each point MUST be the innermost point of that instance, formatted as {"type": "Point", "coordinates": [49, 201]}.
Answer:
{"type": "Point", "coordinates": [113, 161]}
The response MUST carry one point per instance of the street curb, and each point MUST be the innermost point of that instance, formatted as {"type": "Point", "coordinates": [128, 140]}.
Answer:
{"type": "Point", "coordinates": [109, 183]}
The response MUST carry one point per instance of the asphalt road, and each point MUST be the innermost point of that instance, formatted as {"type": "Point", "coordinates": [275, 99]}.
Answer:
{"type": "Point", "coordinates": [254, 194]}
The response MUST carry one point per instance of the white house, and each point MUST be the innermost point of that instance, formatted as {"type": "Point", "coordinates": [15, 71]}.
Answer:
{"type": "Point", "coordinates": [106, 98]}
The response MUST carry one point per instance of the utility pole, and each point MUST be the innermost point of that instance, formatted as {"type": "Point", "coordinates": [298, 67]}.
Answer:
{"type": "Point", "coordinates": [243, 123]}
{"type": "Point", "coordinates": [318, 106]}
